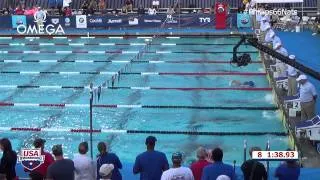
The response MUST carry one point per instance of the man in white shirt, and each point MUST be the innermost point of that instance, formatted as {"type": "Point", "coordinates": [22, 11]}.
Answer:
{"type": "Point", "coordinates": [308, 97]}
{"type": "Point", "coordinates": [177, 172]}
{"type": "Point", "coordinates": [281, 67]}
{"type": "Point", "coordinates": [84, 165]}
{"type": "Point", "coordinates": [152, 11]}
{"type": "Point", "coordinates": [264, 24]}
{"type": "Point", "coordinates": [292, 78]}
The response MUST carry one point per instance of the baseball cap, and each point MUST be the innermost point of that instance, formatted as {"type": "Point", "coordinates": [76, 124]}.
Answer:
{"type": "Point", "coordinates": [151, 140]}
{"type": "Point", "coordinates": [177, 156]}
{"type": "Point", "coordinates": [223, 177]}
{"type": "Point", "coordinates": [106, 169]}
{"type": "Point", "coordinates": [38, 142]}
{"type": "Point", "coordinates": [302, 77]}
{"type": "Point", "coordinates": [292, 57]}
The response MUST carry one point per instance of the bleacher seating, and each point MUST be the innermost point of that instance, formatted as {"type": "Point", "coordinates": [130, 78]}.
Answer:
{"type": "Point", "coordinates": [112, 4]}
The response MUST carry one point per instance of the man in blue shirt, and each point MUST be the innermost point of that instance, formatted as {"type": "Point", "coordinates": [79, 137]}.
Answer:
{"type": "Point", "coordinates": [151, 163]}
{"type": "Point", "coordinates": [211, 172]}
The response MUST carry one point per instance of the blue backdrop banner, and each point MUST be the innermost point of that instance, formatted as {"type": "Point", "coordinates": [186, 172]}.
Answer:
{"type": "Point", "coordinates": [120, 21]}
{"type": "Point", "coordinates": [17, 20]}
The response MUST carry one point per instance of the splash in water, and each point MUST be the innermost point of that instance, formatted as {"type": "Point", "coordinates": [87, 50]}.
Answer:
{"type": "Point", "coordinates": [269, 98]}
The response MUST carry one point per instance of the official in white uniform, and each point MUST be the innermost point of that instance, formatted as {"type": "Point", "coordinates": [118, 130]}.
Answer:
{"type": "Point", "coordinates": [292, 78]}
{"type": "Point", "coordinates": [308, 97]}
{"type": "Point", "coordinates": [264, 24]}
{"type": "Point", "coordinates": [281, 67]}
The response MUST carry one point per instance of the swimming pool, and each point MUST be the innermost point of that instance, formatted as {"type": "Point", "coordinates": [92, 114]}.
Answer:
{"type": "Point", "coordinates": [177, 85]}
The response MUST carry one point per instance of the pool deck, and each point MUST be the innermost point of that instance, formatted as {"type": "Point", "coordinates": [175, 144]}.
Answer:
{"type": "Point", "coordinates": [309, 157]}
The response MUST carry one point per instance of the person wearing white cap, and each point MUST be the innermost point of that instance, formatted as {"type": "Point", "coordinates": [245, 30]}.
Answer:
{"type": "Point", "coordinates": [105, 171]}
{"type": "Point", "coordinates": [308, 97]}
{"type": "Point", "coordinates": [223, 177]}
{"type": "Point", "coordinates": [264, 24]}
{"type": "Point", "coordinates": [281, 67]}
{"type": "Point", "coordinates": [292, 78]}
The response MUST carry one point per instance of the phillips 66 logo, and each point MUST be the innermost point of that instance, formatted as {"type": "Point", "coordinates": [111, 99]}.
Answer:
{"type": "Point", "coordinates": [31, 158]}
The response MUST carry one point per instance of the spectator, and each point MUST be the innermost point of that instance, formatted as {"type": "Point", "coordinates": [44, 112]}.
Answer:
{"type": "Point", "coordinates": [211, 172]}
{"type": "Point", "coordinates": [212, 10]}
{"type": "Point", "coordinates": [19, 10]}
{"type": "Point", "coordinates": [292, 78]}
{"type": "Point", "coordinates": [102, 5]}
{"type": "Point", "coordinates": [308, 97]}
{"type": "Point", "coordinates": [9, 160]}
{"type": "Point", "coordinates": [67, 11]}
{"type": "Point", "coordinates": [150, 164]}
{"type": "Point", "coordinates": [105, 171]}
{"type": "Point", "coordinates": [253, 169]}
{"type": "Point", "coordinates": [177, 172]}
{"type": "Point", "coordinates": [128, 5]}
{"type": "Point", "coordinates": [197, 167]}
{"type": "Point", "coordinates": [141, 9]}
{"type": "Point", "coordinates": [41, 171]}
{"type": "Point", "coordinates": [85, 6]}
{"type": "Point", "coordinates": [289, 170]}
{"type": "Point", "coordinates": [170, 10]}
{"type": "Point", "coordinates": [156, 4]}
{"type": "Point", "coordinates": [280, 66]}
{"type": "Point", "coordinates": [92, 6]}
{"type": "Point", "coordinates": [152, 11]}
{"type": "Point", "coordinates": [61, 169]}
{"type": "Point", "coordinates": [316, 27]}
{"type": "Point", "coordinates": [106, 157]}
{"type": "Point", "coordinates": [52, 4]}
{"type": "Point", "coordinates": [60, 6]}
{"type": "Point", "coordinates": [84, 165]}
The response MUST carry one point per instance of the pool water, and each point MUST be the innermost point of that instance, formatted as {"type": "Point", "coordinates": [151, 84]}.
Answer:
{"type": "Point", "coordinates": [184, 55]}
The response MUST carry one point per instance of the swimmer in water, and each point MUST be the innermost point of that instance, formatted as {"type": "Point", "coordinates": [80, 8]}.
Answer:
{"type": "Point", "coordinates": [246, 84]}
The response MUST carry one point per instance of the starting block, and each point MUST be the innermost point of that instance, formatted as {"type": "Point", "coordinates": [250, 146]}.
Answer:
{"type": "Point", "coordinates": [292, 103]}
{"type": "Point", "coordinates": [281, 82]}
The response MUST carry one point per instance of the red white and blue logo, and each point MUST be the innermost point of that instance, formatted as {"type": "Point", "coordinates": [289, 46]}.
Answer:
{"type": "Point", "coordinates": [30, 158]}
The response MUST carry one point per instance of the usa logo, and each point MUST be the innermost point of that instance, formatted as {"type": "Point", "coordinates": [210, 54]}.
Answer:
{"type": "Point", "coordinates": [31, 158]}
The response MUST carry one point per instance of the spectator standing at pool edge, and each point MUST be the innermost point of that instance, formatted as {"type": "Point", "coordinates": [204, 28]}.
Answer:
{"type": "Point", "coordinates": [197, 167]}
{"type": "Point", "coordinates": [150, 164]}
{"type": "Point", "coordinates": [84, 165]}
{"type": "Point", "coordinates": [213, 171]}
{"type": "Point", "coordinates": [9, 159]}
{"type": "Point", "coordinates": [253, 169]}
{"type": "Point", "coordinates": [177, 171]}
{"type": "Point", "coordinates": [41, 171]}
{"type": "Point", "coordinates": [106, 157]}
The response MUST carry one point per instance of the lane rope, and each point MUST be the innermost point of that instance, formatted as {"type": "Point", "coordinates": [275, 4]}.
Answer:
{"type": "Point", "coordinates": [118, 52]}
{"type": "Point", "coordinates": [136, 88]}
{"type": "Point", "coordinates": [139, 73]}
{"type": "Point", "coordinates": [255, 108]}
{"type": "Point", "coordinates": [123, 131]}
{"type": "Point", "coordinates": [120, 61]}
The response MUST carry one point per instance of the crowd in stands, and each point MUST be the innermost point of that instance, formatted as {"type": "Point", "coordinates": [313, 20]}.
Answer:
{"type": "Point", "coordinates": [90, 7]}
{"type": "Point", "coordinates": [151, 165]}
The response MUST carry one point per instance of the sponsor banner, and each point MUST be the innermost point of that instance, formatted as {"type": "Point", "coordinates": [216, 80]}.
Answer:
{"type": "Point", "coordinates": [18, 20]}
{"type": "Point", "coordinates": [95, 21]}
{"type": "Point", "coordinates": [243, 20]}
{"type": "Point", "coordinates": [81, 21]}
